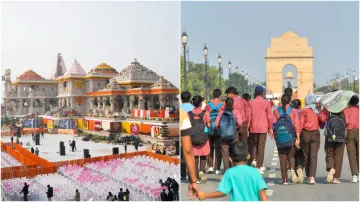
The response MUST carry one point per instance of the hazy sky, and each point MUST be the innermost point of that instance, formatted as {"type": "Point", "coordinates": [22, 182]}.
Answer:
{"type": "Point", "coordinates": [33, 33]}
{"type": "Point", "coordinates": [241, 32]}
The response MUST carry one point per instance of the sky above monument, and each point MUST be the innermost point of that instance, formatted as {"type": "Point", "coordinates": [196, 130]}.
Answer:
{"type": "Point", "coordinates": [242, 31]}
{"type": "Point", "coordinates": [33, 33]}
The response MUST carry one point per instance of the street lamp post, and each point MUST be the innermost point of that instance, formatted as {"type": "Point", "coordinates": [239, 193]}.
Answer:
{"type": "Point", "coordinates": [341, 82]}
{"type": "Point", "coordinates": [236, 76]}
{"type": "Point", "coordinates": [356, 90]}
{"type": "Point", "coordinates": [242, 83]}
{"type": "Point", "coordinates": [347, 79]}
{"type": "Point", "coordinates": [220, 70]}
{"type": "Point", "coordinates": [247, 82]}
{"type": "Point", "coordinates": [354, 79]}
{"type": "Point", "coordinates": [229, 65]}
{"type": "Point", "coordinates": [206, 74]}
{"type": "Point", "coordinates": [184, 38]}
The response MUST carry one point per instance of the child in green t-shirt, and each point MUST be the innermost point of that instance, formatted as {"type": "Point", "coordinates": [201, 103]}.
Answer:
{"type": "Point", "coordinates": [242, 182]}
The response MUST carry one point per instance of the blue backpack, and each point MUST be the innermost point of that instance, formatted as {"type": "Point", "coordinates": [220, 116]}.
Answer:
{"type": "Point", "coordinates": [284, 129]}
{"type": "Point", "coordinates": [213, 114]}
{"type": "Point", "coordinates": [227, 125]}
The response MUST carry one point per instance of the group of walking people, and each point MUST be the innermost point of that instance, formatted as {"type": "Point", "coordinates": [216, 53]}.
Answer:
{"type": "Point", "coordinates": [215, 127]}
{"type": "Point", "coordinates": [121, 196]}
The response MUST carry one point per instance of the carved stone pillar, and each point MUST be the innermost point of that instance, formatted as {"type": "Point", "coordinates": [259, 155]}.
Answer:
{"type": "Point", "coordinates": [125, 105]}
{"type": "Point", "coordinates": [112, 103]}
{"type": "Point", "coordinates": [150, 102]}
{"type": "Point", "coordinates": [132, 99]}
{"type": "Point", "coordinates": [162, 101]}
{"type": "Point", "coordinates": [99, 102]}
{"type": "Point", "coordinates": [21, 106]}
{"type": "Point", "coordinates": [141, 102]}
{"type": "Point", "coordinates": [69, 102]}
{"type": "Point", "coordinates": [32, 100]}
{"type": "Point", "coordinates": [42, 102]}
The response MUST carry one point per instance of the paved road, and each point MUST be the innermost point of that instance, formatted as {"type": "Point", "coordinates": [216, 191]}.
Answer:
{"type": "Point", "coordinates": [346, 191]}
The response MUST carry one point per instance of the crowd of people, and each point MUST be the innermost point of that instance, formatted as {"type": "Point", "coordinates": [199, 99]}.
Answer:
{"type": "Point", "coordinates": [173, 190]}
{"type": "Point", "coordinates": [234, 134]}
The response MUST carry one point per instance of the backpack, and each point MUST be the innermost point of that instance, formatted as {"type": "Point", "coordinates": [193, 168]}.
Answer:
{"type": "Point", "coordinates": [199, 130]}
{"type": "Point", "coordinates": [227, 125]}
{"type": "Point", "coordinates": [213, 114]}
{"type": "Point", "coordinates": [284, 129]}
{"type": "Point", "coordinates": [335, 128]}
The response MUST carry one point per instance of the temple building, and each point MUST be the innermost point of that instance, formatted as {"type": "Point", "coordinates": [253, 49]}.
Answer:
{"type": "Point", "coordinates": [102, 97]}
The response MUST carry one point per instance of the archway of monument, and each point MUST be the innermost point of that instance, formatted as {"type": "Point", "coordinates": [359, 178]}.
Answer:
{"type": "Point", "coordinates": [294, 50]}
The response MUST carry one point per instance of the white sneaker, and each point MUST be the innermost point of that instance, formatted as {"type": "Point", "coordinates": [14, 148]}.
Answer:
{"type": "Point", "coordinates": [355, 179]}
{"type": "Point", "coordinates": [253, 164]}
{"type": "Point", "coordinates": [263, 168]}
{"type": "Point", "coordinates": [210, 170]}
{"type": "Point", "coordinates": [260, 171]}
{"type": "Point", "coordinates": [218, 172]}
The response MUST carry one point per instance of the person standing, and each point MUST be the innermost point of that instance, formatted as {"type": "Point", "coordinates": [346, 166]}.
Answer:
{"type": "Point", "coordinates": [37, 151]}
{"type": "Point", "coordinates": [121, 195]}
{"type": "Point", "coordinates": [163, 195]}
{"type": "Point", "coordinates": [200, 121]}
{"type": "Point", "coordinates": [352, 138]}
{"type": "Point", "coordinates": [125, 147]}
{"type": "Point", "coordinates": [186, 106]}
{"type": "Point", "coordinates": [136, 146]}
{"type": "Point", "coordinates": [260, 125]}
{"type": "Point", "coordinates": [49, 192]}
{"type": "Point", "coordinates": [310, 138]}
{"type": "Point", "coordinates": [288, 118]}
{"type": "Point", "coordinates": [77, 195]}
{"type": "Point", "coordinates": [70, 145]}
{"type": "Point", "coordinates": [213, 108]}
{"type": "Point", "coordinates": [299, 154]}
{"type": "Point", "coordinates": [74, 144]}
{"type": "Point", "coordinates": [12, 139]}
{"type": "Point", "coordinates": [33, 136]}
{"type": "Point", "coordinates": [243, 107]}
{"type": "Point", "coordinates": [187, 154]}
{"type": "Point", "coordinates": [32, 150]}
{"type": "Point", "coordinates": [42, 132]}
{"type": "Point", "coordinates": [25, 190]}
{"type": "Point", "coordinates": [232, 115]}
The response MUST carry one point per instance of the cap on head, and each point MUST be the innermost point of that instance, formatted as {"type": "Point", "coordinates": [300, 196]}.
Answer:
{"type": "Point", "coordinates": [259, 89]}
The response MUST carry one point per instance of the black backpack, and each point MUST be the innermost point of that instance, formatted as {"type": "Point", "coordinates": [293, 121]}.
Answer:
{"type": "Point", "coordinates": [198, 136]}
{"type": "Point", "coordinates": [335, 130]}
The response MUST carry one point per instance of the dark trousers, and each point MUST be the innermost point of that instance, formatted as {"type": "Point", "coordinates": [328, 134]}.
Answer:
{"type": "Point", "coordinates": [310, 144]}
{"type": "Point", "coordinates": [256, 144]}
{"type": "Point", "coordinates": [243, 133]}
{"type": "Point", "coordinates": [202, 160]}
{"type": "Point", "coordinates": [286, 155]}
{"type": "Point", "coordinates": [25, 197]}
{"type": "Point", "coordinates": [352, 147]}
{"type": "Point", "coordinates": [215, 148]}
{"type": "Point", "coordinates": [225, 145]}
{"type": "Point", "coordinates": [176, 194]}
{"type": "Point", "coordinates": [334, 156]}
{"type": "Point", "coordinates": [182, 165]}
{"type": "Point", "coordinates": [299, 158]}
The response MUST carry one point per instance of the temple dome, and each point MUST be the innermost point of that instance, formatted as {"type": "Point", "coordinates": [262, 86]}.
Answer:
{"type": "Point", "coordinates": [137, 72]}
{"type": "Point", "coordinates": [104, 68]}
{"type": "Point", "coordinates": [163, 83]}
{"type": "Point", "coordinates": [30, 75]}
{"type": "Point", "coordinates": [75, 70]}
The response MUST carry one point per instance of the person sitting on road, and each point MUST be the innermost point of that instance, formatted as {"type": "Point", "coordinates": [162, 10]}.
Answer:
{"type": "Point", "coordinates": [110, 197]}
{"type": "Point", "coordinates": [242, 182]}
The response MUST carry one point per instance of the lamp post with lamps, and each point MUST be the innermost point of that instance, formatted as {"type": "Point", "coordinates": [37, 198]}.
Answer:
{"type": "Point", "coordinates": [354, 79]}
{"type": "Point", "coordinates": [184, 38]}
{"type": "Point", "coordinates": [236, 76]}
{"type": "Point", "coordinates": [206, 72]}
{"type": "Point", "coordinates": [220, 70]}
{"type": "Point", "coordinates": [243, 80]}
{"type": "Point", "coordinates": [229, 65]}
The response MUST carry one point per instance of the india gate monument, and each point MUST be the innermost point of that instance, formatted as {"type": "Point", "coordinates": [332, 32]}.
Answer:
{"type": "Point", "coordinates": [289, 49]}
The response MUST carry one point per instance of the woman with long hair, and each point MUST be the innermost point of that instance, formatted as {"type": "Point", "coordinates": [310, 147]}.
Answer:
{"type": "Point", "coordinates": [225, 144]}
{"type": "Point", "coordinates": [286, 154]}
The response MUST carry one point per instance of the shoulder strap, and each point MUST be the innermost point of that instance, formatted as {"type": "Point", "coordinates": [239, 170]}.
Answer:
{"type": "Point", "coordinates": [202, 114]}
{"type": "Point", "coordinates": [219, 105]}
{"type": "Point", "coordinates": [211, 105]}
{"type": "Point", "coordinates": [288, 111]}
{"type": "Point", "coordinates": [281, 111]}
{"type": "Point", "coordinates": [192, 115]}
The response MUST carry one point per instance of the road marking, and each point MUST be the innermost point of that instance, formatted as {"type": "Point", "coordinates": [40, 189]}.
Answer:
{"type": "Point", "coordinates": [275, 159]}
{"type": "Point", "coordinates": [271, 183]}
{"type": "Point", "coordinates": [275, 155]}
{"type": "Point", "coordinates": [272, 175]}
{"type": "Point", "coordinates": [274, 163]}
{"type": "Point", "coordinates": [273, 169]}
{"type": "Point", "coordinates": [269, 192]}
